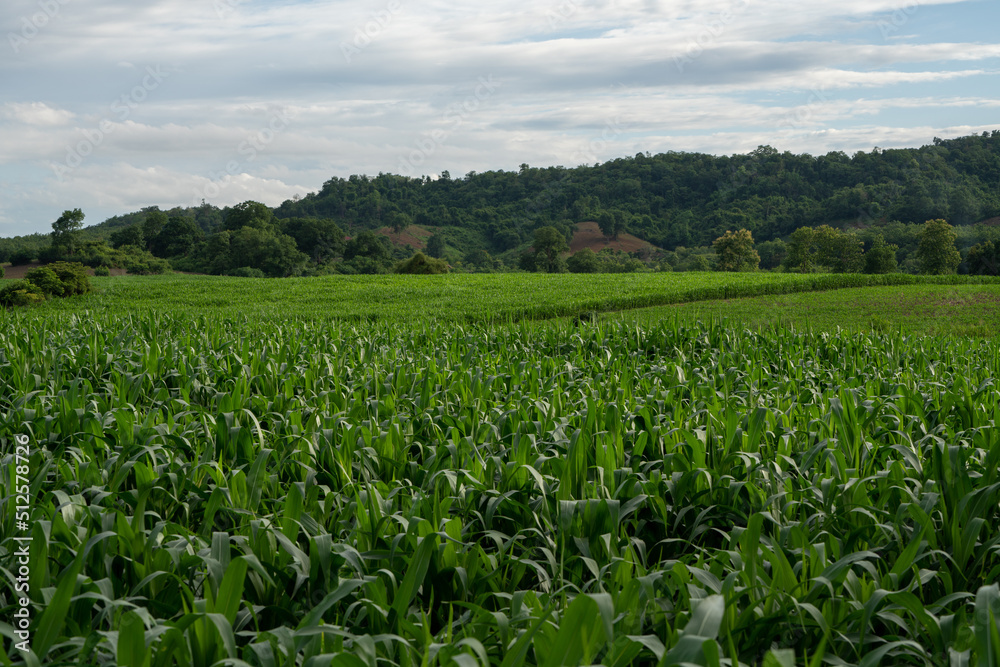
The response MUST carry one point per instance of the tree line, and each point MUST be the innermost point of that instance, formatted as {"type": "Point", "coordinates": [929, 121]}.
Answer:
{"type": "Point", "coordinates": [509, 220]}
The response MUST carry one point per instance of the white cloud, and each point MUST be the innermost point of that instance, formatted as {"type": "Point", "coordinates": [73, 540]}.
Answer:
{"type": "Point", "coordinates": [35, 113]}
{"type": "Point", "coordinates": [577, 81]}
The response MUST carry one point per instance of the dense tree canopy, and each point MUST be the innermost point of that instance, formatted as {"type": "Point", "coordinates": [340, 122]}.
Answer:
{"type": "Point", "coordinates": [805, 213]}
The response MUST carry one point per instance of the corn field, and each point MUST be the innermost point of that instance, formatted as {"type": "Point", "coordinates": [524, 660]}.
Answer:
{"type": "Point", "coordinates": [223, 491]}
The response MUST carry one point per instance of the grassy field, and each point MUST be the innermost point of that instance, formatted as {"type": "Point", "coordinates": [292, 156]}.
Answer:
{"type": "Point", "coordinates": [206, 482]}
{"type": "Point", "coordinates": [961, 310]}
{"type": "Point", "coordinates": [458, 298]}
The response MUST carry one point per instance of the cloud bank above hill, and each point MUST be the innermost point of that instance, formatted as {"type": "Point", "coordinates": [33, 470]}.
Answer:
{"type": "Point", "coordinates": [110, 106]}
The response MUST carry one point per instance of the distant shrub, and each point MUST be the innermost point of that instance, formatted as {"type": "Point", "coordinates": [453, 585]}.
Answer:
{"type": "Point", "coordinates": [145, 264]}
{"type": "Point", "coordinates": [246, 272]}
{"type": "Point", "coordinates": [421, 264]}
{"type": "Point", "coordinates": [22, 256]}
{"type": "Point", "coordinates": [102, 272]}
{"type": "Point", "coordinates": [20, 293]}
{"type": "Point", "coordinates": [73, 276]}
{"type": "Point", "coordinates": [50, 254]}
{"type": "Point", "coordinates": [584, 261]}
{"type": "Point", "coordinates": [46, 280]}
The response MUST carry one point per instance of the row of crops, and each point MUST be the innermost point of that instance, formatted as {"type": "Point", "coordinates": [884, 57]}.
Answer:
{"type": "Point", "coordinates": [217, 491]}
{"type": "Point", "coordinates": [465, 298]}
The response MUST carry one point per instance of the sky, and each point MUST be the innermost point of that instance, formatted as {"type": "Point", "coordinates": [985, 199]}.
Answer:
{"type": "Point", "coordinates": [115, 105]}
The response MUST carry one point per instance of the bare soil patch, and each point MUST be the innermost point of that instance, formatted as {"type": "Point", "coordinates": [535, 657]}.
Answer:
{"type": "Point", "coordinates": [588, 235]}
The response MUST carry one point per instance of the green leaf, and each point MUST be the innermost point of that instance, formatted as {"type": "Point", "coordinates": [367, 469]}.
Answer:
{"type": "Point", "coordinates": [230, 594]}
{"type": "Point", "coordinates": [50, 623]}
{"type": "Point", "coordinates": [132, 651]}
{"type": "Point", "coordinates": [581, 634]}
{"type": "Point", "coordinates": [779, 657]}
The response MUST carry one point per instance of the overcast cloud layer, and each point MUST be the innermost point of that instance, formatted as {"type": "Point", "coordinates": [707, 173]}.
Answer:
{"type": "Point", "coordinates": [113, 105]}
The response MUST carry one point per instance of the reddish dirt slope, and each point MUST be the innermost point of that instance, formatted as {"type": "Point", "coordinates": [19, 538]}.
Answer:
{"type": "Point", "coordinates": [414, 235]}
{"type": "Point", "coordinates": [588, 235]}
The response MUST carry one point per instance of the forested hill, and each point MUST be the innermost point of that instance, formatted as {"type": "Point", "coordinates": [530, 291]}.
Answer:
{"type": "Point", "coordinates": [685, 199]}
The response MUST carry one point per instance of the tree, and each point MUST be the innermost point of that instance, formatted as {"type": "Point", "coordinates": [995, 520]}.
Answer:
{"type": "Point", "coordinates": [611, 223]}
{"type": "Point", "coordinates": [435, 245]}
{"type": "Point", "coordinates": [176, 238]}
{"type": "Point", "coordinates": [801, 250]}
{"type": "Point", "coordinates": [736, 251]}
{"type": "Point", "coordinates": [839, 251]}
{"type": "Point", "coordinates": [249, 214]}
{"type": "Point", "coordinates": [66, 231]}
{"type": "Point", "coordinates": [772, 253]}
{"type": "Point", "coordinates": [584, 261]}
{"type": "Point", "coordinates": [369, 244]}
{"type": "Point", "coordinates": [984, 259]}
{"type": "Point", "coordinates": [266, 249]}
{"type": "Point", "coordinates": [399, 221]}
{"type": "Point", "coordinates": [881, 257]}
{"type": "Point", "coordinates": [937, 252]}
{"type": "Point", "coordinates": [549, 242]}
{"type": "Point", "coordinates": [479, 258]}
{"type": "Point", "coordinates": [153, 224]}
{"type": "Point", "coordinates": [321, 239]}
{"type": "Point", "coordinates": [131, 235]}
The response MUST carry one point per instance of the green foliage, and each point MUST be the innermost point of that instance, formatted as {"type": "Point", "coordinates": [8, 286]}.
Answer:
{"type": "Point", "coordinates": [46, 280]}
{"type": "Point", "coordinates": [937, 252]}
{"type": "Point", "coordinates": [102, 272]}
{"type": "Point", "coordinates": [246, 272]}
{"type": "Point", "coordinates": [480, 259]}
{"type": "Point", "coordinates": [248, 214]}
{"type": "Point", "coordinates": [371, 246]}
{"type": "Point", "coordinates": [66, 231]}
{"type": "Point", "coordinates": [73, 276]}
{"type": "Point", "coordinates": [177, 237]}
{"type": "Point", "coordinates": [802, 250]}
{"type": "Point", "coordinates": [23, 256]}
{"type": "Point", "coordinates": [687, 199]}
{"type": "Point", "coordinates": [16, 293]}
{"type": "Point", "coordinates": [839, 251]}
{"type": "Point", "coordinates": [772, 254]}
{"type": "Point", "coordinates": [263, 248]}
{"type": "Point", "coordinates": [984, 259]}
{"type": "Point", "coordinates": [262, 487]}
{"type": "Point", "coordinates": [131, 235]}
{"type": "Point", "coordinates": [321, 239]}
{"type": "Point", "coordinates": [549, 242]}
{"type": "Point", "coordinates": [611, 223]}
{"type": "Point", "coordinates": [881, 256]}
{"type": "Point", "coordinates": [153, 224]}
{"type": "Point", "coordinates": [435, 245]}
{"type": "Point", "coordinates": [584, 261]}
{"type": "Point", "coordinates": [421, 264]}
{"type": "Point", "coordinates": [736, 251]}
